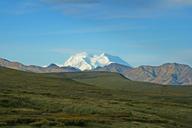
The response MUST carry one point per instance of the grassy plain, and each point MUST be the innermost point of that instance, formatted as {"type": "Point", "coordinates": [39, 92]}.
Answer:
{"type": "Point", "coordinates": [90, 100]}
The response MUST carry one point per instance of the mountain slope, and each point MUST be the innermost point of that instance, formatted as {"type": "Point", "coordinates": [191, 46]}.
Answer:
{"type": "Point", "coordinates": [118, 68]}
{"type": "Point", "coordinates": [170, 73]}
{"type": "Point", "coordinates": [84, 61]}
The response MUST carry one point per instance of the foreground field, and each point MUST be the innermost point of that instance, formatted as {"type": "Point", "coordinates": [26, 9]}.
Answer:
{"type": "Point", "coordinates": [90, 100]}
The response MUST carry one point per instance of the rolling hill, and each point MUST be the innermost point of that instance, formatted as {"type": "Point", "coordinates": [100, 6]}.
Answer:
{"type": "Point", "coordinates": [90, 100]}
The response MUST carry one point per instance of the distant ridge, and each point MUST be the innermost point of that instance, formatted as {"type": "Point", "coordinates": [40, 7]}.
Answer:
{"type": "Point", "coordinates": [167, 74]}
{"type": "Point", "coordinates": [37, 69]}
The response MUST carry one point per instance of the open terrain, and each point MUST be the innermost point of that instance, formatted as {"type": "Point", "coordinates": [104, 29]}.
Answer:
{"type": "Point", "coordinates": [90, 100]}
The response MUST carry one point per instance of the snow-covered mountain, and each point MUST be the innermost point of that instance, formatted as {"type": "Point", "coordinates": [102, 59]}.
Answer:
{"type": "Point", "coordinates": [84, 61]}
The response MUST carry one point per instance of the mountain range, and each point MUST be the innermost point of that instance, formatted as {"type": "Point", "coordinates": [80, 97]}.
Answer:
{"type": "Point", "coordinates": [37, 69]}
{"type": "Point", "coordinates": [166, 74]}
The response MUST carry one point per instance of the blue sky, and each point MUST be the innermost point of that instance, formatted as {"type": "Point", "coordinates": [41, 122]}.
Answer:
{"type": "Point", "coordinates": [143, 32]}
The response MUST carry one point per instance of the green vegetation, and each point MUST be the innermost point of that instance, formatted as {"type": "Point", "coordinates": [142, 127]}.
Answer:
{"type": "Point", "coordinates": [90, 100]}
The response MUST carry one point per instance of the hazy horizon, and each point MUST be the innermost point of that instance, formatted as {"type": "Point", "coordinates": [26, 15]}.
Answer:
{"type": "Point", "coordinates": [62, 64]}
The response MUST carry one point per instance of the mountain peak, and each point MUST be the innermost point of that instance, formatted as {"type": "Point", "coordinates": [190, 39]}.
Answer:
{"type": "Point", "coordinates": [53, 66]}
{"type": "Point", "coordinates": [84, 61]}
{"type": "Point", "coordinates": [173, 64]}
{"type": "Point", "coordinates": [80, 61]}
{"type": "Point", "coordinates": [114, 59]}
